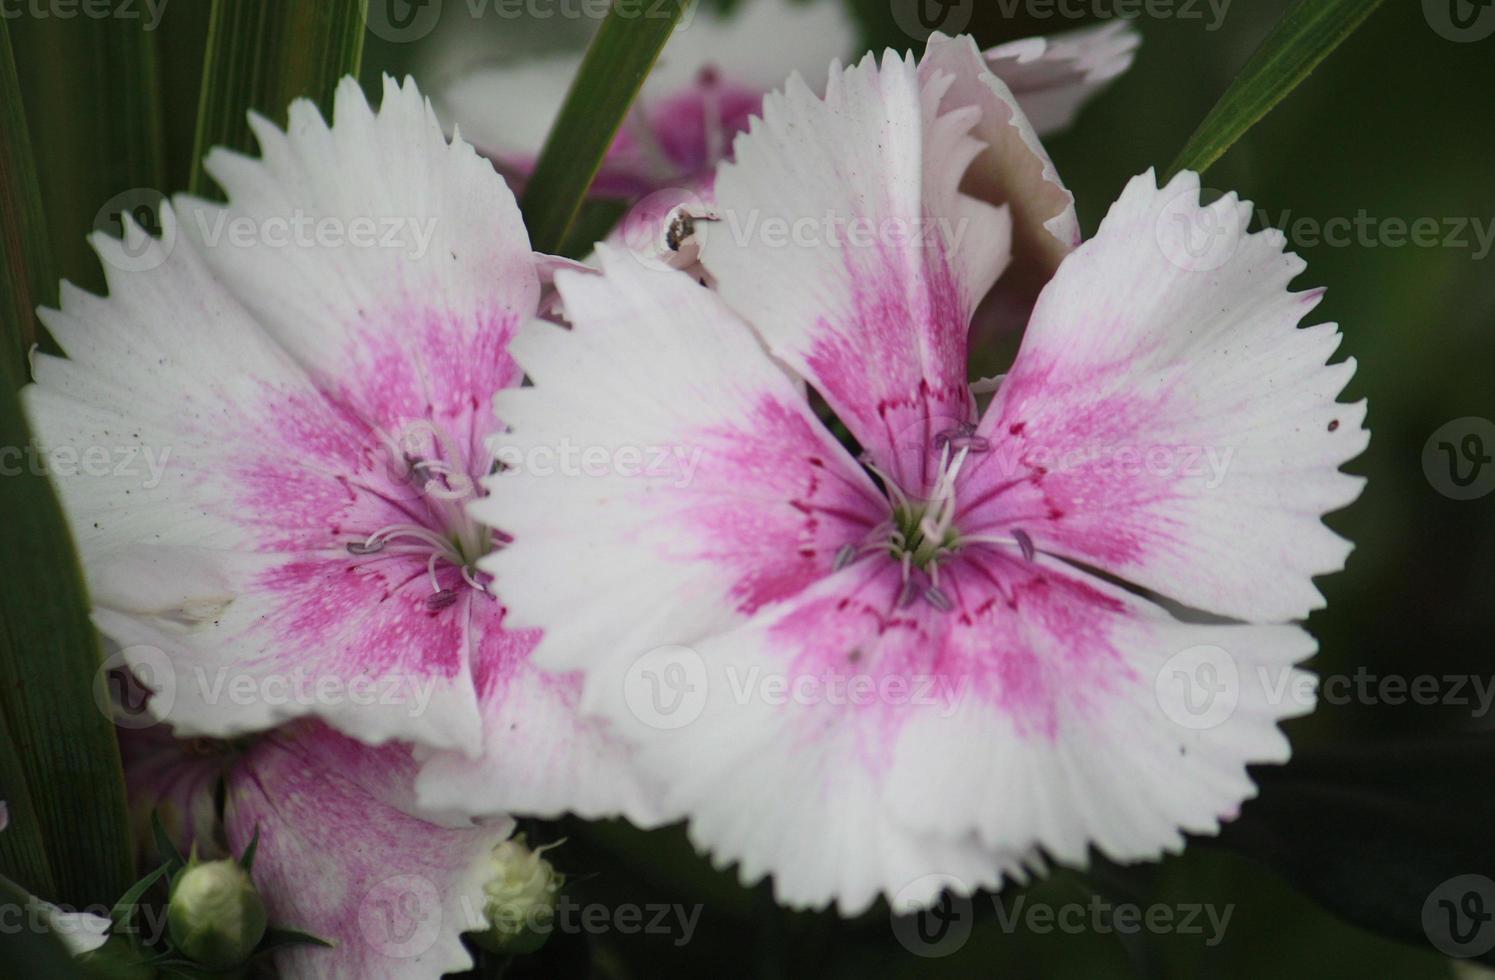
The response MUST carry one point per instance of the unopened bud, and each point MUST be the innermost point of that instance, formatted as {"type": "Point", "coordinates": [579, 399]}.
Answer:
{"type": "Point", "coordinates": [521, 896]}
{"type": "Point", "coordinates": [216, 916]}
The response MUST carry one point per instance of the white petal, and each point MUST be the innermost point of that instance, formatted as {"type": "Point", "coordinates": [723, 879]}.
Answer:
{"type": "Point", "coordinates": [1188, 428]}
{"type": "Point", "coordinates": [1053, 77]}
{"type": "Point", "coordinates": [1013, 170]}
{"type": "Point", "coordinates": [845, 242]}
{"type": "Point", "coordinates": [712, 488]}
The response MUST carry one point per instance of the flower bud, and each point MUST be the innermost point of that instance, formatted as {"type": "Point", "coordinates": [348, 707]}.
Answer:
{"type": "Point", "coordinates": [215, 916]}
{"type": "Point", "coordinates": [520, 897]}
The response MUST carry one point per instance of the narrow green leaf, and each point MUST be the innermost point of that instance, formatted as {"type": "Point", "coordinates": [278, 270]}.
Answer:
{"type": "Point", "coordinates": [164, 844]}
{"type": "Point", "coordinates": [27, 952]}
{"type": "Point", "coordinates": [616, 63]}
{"type": "Point", "coordinates": [276, 937]}
{"type": "Point", "coordinates": [246, 860]}
{"type": "Point", "coordinates": [1303, 38]}
{"type": "Point", "coordinates": [261, 55]}
{"type": "Point", "coordinates": [60, 740]}
{"type": "Point", "coordinates": [124, 909]}
{"type": "Point", "coordinates": [92, 90]}
{"type": "Point", "coordinates": [23, 852]}
{"type": "Point", "coordinates": [27, 278]}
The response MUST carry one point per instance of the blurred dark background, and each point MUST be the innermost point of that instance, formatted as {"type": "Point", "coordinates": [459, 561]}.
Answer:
{"type": "Point", "coordinates": [1396, 126]}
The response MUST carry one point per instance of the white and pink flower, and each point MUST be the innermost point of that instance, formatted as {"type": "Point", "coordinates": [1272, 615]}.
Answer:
{"type": "Point", "coordinates": [1008, 560]}
{"type": "Point", "coordinates": [314, 362]}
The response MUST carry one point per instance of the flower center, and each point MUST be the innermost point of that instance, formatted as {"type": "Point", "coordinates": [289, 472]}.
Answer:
{"type": "Point", "coordinates": [445, 535]}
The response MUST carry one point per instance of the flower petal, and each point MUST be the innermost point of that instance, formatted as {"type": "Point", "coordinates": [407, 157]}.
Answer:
{"type": "Point", "coordinates": [342, 857]}
{"type": "Point", "coordinates": [1167, 422]}
{"type": "Point", "coordinates": [1013, 168]}
{"type": "Point", "coordinates": [540, 756]}
{"type": "Point", "coordinates": [1052, 77]}
{"type": "Point", "coordinates": [850, 745]}
{"type": "Point", "coordinates": [849, 207]}
{"type": "Point", "coordinates": [250, 382]}
{"type": "Point", "coordinates": [664, 477]}
{"type": "Point", "coordinates": [405, 267]}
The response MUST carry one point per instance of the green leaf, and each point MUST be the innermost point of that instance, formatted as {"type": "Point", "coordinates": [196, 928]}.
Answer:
{"type": "Point", "coordinates": [246, 860]}
{"type": "Point", "coordinates": [616, 63]}
{"type": "Point", "coordinates": [23, 853]}
{"type": "Point", "coordinates": [276, 937]}
{"type": "Point", "coordinates": [57, 736]}
{"type": "Point", "coordinates": [92, 89]}
{"type": "Point", "coordinates": [125, 908]}
{"type": "Point", "coordinates": [262, 55]}
{"type": "Point", "coordinates": [1375, 832]}
{"type": "Point", "coordinates": [27, 278]}
{"type": "Point", "coordinates": [164, 845]}
{"type": "Point", "coordinates": [1303, 38]}
{"type": "Point", "coordinates": [27, 952]}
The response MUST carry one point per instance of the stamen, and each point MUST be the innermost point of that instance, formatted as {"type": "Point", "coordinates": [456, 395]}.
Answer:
{"type": "Point", "coordinates": [937, 598]}
{"type": "Point", "coordinates": [440, 599]}
{"type": "Point", "coordinates": [909, 594]}
{"type": "Point", "coordinates": [365, 547]}
{"type": "Point", "coordinates": [1024, 543]}
{"type": "Point", "coordinates": [963, 437]}
{"type": "Point", "coordinates": [844, 556]}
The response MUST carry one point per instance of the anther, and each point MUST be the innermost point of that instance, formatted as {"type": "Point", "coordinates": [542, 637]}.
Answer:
{"type": "Point", "coordinates": [1024, 543]}
{"type": "Point", "coordinates": [371, 547]}
{"type": "Point", "coordinates": [963, 437]}
{"type": "Point", "coordinates": [844, 556]}
{"type": "Point", "coordinates": [441, 599]}
{"type": "Point", "coordinates": [936, 597]}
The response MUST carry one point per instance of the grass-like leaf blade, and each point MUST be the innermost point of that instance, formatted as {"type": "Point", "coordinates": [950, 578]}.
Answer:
{"type": "Point", "coordinates": [57, 737]}
{"type": "Point", "coordinates": [616, 63]}
{"type": "Point", "coordinates": [1304, 37]}
{"type": "Point", "coordinates": [261, 55]}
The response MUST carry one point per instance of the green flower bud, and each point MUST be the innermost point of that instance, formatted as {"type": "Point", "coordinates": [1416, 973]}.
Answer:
{"type": "Point", "coordinates": [521, 898]}
{"type": "Point", "coordinates": [215, 916]}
